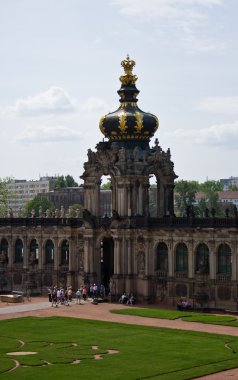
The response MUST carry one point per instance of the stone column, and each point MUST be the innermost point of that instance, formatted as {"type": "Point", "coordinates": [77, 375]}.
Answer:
{"type": "Point", "coordinates": [71, 267]}
{"type": "Point", "coordinates": [10, 253]}
{"type": "Point", "coordinates": [190, 260]}
{"type": "Point", "coordinates": [170, 259]}
{"type": "Point", "coordinates": [234, 262]}
{"type": "Point", "coordinates": [56, 253]}
{"type": "Point", "coordinates": [86, 255]}
{"type": "Point", "coordinates": [25, 253]}
{"type": "Point", "coordinates": [129, 258]}
{"type": "Point", "coordinates": [40, 255]}
{"type": "Point", "coordinates": [117, 254]}
{"type": "Point", "coordinates": [212, 262]}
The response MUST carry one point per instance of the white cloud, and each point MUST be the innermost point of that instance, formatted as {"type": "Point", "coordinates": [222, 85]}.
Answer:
{"type": "Point", "coordinates": [47, 134]}
{"type": "Point", "coordinates": [221, 105]}
{"type": "Point", "coordinates": [94, 105]}
{"type": "Point", "coordinates": [52, 101]}
{"type": "Point", "coordinates": [167, 9]}
{"type": "Point", "coordinates": [185, 18]}
{"type": "Point", "coordinates": [225, 135]}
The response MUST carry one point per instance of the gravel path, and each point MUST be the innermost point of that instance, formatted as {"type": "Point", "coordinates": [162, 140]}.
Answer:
{"type": "Point", "coordinates": [39, 307]}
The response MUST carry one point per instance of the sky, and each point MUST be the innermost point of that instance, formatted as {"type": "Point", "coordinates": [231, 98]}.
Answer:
{"type": "Point", "coordinates": [59, 73]}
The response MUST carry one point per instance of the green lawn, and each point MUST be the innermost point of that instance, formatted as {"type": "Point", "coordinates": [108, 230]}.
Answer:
{"type": "Point", "coordinates": [139, 352]}
{"type": "Point", "coordinates": [226, 320]}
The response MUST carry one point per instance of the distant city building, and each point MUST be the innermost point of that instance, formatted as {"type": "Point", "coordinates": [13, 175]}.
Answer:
{"type": "Point", "coordinates": [68, 196]}
{"type": "Point", "coordinates": [21, 191]}
{"type": "Point", "coordinates": [227, 197]}
{"type": "Point", "coordinates": [227, 182]}
{"type": "Point", "coordinates": [65, 196]}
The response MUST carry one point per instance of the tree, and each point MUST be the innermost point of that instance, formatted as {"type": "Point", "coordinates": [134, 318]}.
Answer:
{"type": "Point", "coordinates": [4, 195]}
{"type": "Point", "coordinates": [106, 186]}
{"type": "Point", "coordinates": [211, 186]}
{"type": "Point", "coordinates": [210, 189]}
{"type": "Point", "coordinates": [232, 187]}
{"type": "Point", "coordinates": [185, 195]}
{"type": "Point", "coordinates": [35, 204]}
{"type": "Point", "coordinates": [65, 181]}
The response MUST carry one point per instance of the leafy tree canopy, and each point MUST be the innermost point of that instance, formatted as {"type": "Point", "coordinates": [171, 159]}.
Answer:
{"type": "Point", "coordinates": [106, 186]}
{"type": "Point", "coordinates": [211, 186]}
{"type": "Point", "coordinates": [35, 204]}
{"type": "Point", "coordinates": [185, 194]}
{"type": "Point", "coordinates": [65, 181]}
{"type": "Point", "coordinates": [4, 195]}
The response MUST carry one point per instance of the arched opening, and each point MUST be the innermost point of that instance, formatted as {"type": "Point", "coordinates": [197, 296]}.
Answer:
{"type": "Point", "coordinates": [106, 196]}
{"type": "Point", "coordinates": [107, 260]}
{"type": "Point", "coordinates": [34, 252]}
{"type": "Point", "coordinates": [224, 260]}
{"type": "Point", "coordinates": [202, 259]}
{"type": "Point", "coordinates": [181, 262]}
{"type": "Point", "coordinates": [18, 256]}
{"type": "Point", "coordinates": [153, 208]}
{"type": "Point", "coordinates": [4, 252]}
{"type": "Point", "coordinates": [49, 252]}
{"type": "Point", "coordinates": [162, 258]}
{"type": "Point", "coordinates": [65, 253]}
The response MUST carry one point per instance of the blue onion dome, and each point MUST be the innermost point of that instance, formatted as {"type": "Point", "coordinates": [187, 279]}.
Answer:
{"type": "Point", "coordinates": [128, 122]}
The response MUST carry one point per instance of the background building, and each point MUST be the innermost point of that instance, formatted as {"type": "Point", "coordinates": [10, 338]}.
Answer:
{"type": "Point", "coordinates": [227, 182]}
{"type": "Point", "coordinates": [22, 191]}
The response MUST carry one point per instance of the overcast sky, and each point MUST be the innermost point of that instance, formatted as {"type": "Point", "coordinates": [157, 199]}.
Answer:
{"type": "Point", "coordinates": [60, 68]}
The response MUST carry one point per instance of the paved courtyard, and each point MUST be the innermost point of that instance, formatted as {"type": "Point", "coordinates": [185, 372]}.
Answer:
{"type": "Point", "coordinates": [40, 307]}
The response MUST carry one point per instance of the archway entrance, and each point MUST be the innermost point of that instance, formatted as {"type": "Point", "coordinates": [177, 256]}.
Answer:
{"type": "Point", "coordinates": [107, 260]}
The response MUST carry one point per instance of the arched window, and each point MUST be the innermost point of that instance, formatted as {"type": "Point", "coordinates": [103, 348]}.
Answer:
{"type": "Point", "coordinates": [34, 252]}
{"type": "Point", "coordinates": [181, 262]}
{"type": "Point", "coordinates": [4, 252]}
{"type": "Point", "coordinates": [224, 259]}
{"type": "Point", "coordinates": [162, 257]}
{"type": "Point", "coordinates": [49, 252]}
{"type": "Point", "coordinates": [65, 253]}
{"type": "Point", "coordinates": [18, 252]}
{"type": "Point", "coordinates": [202, 259]}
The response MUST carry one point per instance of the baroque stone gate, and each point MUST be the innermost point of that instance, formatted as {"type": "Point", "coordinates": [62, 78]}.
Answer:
{"type": "Point", "coordinates": [159, 258]}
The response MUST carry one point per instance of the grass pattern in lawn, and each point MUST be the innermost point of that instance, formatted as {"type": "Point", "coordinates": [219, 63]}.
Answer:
{"type": "Point", "coordinates": [226, 320]}
{"type": "Point", "coordinates": [142, 352]}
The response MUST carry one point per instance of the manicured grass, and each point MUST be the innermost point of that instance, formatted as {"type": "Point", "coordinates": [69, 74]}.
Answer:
{"type": "Point", "coordinates": [226, 320]}
{"type": "Point", "coordinates": [139, 352]}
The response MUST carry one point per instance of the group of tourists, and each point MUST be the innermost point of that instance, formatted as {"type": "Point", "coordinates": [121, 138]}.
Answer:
{"type": "Point", "coordinates": [60, 296]}
{"type": "Point", "coordinates": [183, 304]}
{"type": "Point", "coordinates": [127, 299]}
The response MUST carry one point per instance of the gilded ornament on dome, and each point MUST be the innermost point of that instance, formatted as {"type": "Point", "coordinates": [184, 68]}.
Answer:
{"type": "Point", "coordinates": [128, 77]}
{"type": "Point", "coordinates": [128, 65]}
{"type": "Point", "coordinates": [157, 122]}
{"type": "Point", "coordinates": [122, 122]}
{"type": "Point", "coordinates": [139, 122]}
{"type": "Point", "coordinates": [101, 126]}
{"type": "Point", "coordinates": [128, 104]}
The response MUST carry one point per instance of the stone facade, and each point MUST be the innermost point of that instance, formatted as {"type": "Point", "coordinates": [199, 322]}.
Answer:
{"type": "Point", "coordinates": [159, 258]}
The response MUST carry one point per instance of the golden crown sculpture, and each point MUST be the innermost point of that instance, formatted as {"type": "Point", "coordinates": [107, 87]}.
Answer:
{"type": "Point", "coordinates": [128, 77]}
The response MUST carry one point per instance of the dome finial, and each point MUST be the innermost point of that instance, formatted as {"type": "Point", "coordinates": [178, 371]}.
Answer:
{"type": "Point", "coordinates": [128, 77]}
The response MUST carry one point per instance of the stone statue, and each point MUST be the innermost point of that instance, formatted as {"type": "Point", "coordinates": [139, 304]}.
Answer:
{"type": "Point", "coordinates": [33, 213]}
{"type": "Point", "coordinates": [141, 261]}
{"type": "Point", "coordinates": [10, 213]}
{"type": "Point", "coordinates": [47, 213]}
{"type": "Point", "coordinates": [136, 153]}
{"type": "Point", "coordinates": [40, 212]}
{"type": "Point", "coordinates": [122, 155]}
{"type": "Point", "coordinates": [56, 213]}
{"type": "Point", "coordinates": [62, 212]}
